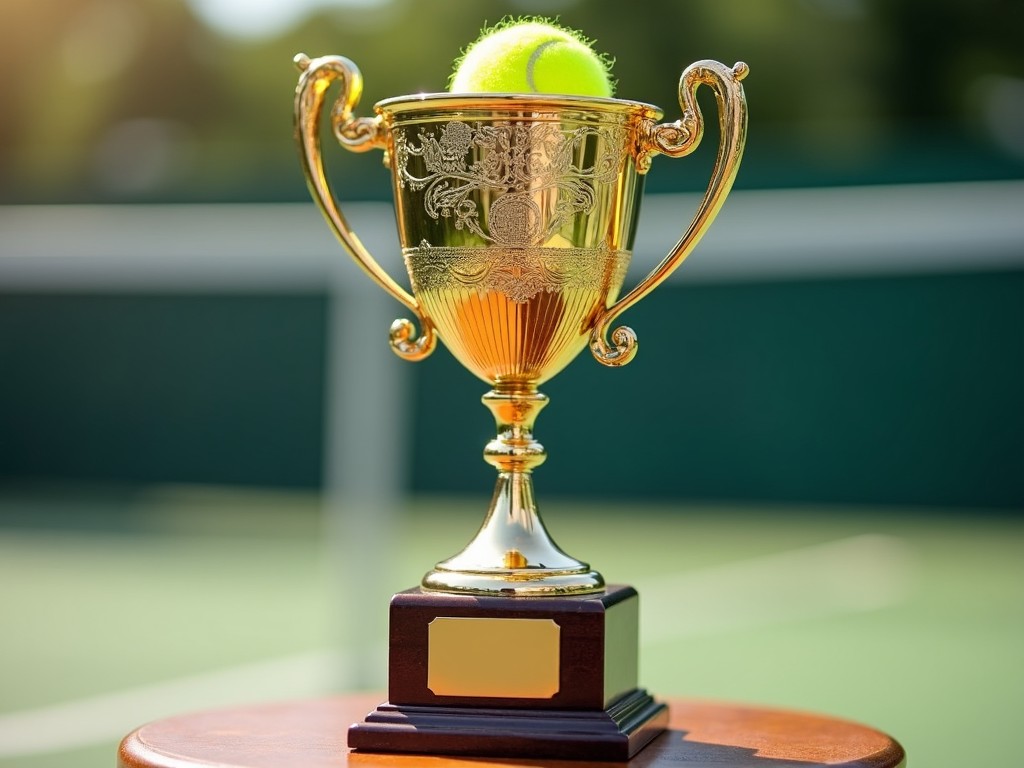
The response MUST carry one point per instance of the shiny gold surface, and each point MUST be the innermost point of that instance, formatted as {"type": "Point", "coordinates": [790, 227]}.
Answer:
{"type": "Point", "coordinates": [516, 218]}
{"type": "Point", "coordinates": [516, 221]}
{"type": "Point", "coordinates": [501, 658]}
{"type": "Point", "coordinates": [512, 552]}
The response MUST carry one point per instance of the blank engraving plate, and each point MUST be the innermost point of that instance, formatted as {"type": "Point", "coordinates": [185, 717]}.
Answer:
{"type": "Point", "coordinates": [505, 658]}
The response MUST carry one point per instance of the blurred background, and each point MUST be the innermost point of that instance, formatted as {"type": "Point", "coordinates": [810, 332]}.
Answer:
{"type": "Point", "coordinates": [814, 471]}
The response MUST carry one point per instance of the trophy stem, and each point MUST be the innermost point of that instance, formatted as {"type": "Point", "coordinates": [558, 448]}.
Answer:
{"type": "Point", "coordinates": [512, 553]}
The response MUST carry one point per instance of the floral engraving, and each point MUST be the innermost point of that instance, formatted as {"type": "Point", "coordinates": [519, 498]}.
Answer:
{"type": "Point", "coordinates": [488, 178]}
{"type": "Point", "coordinates": [518, 273]}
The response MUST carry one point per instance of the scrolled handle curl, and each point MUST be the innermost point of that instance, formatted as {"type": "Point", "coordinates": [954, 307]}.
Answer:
{"type": "Point", "coordinates": [407, 344]}
{"type": "Point", "coordinates": [673, 139]}
{"type": "Point", "coordinates": [623, 347]}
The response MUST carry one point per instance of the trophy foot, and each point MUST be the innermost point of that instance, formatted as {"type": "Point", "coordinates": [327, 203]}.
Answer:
{"type": "Point", "coordinates": [512, 554]}
{"type": "Point", "coordinates": [614, 734]}
{"type": "Point", "coordinates": [522, 582]}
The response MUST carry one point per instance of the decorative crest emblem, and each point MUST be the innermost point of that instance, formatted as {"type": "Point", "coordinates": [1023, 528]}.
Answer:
{"type": "Point", "coordinates": [519, 164]}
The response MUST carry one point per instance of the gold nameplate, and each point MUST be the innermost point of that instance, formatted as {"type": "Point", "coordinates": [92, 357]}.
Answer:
{"type": "Point", "coordinates": [503, 658]}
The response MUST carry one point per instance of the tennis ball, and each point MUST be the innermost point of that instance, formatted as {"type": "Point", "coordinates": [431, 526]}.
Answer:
{"type": "Point", "coordinates": [532, 56]}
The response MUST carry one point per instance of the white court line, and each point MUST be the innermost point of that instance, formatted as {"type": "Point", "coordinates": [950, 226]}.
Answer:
{"type": "Point", "coordinates": [110, 716]}
{"type": "Point", "coordinates": [851, 575]}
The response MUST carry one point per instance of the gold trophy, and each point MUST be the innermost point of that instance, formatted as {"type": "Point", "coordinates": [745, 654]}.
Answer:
{"type": "Point", "coordinates": [516, 217]}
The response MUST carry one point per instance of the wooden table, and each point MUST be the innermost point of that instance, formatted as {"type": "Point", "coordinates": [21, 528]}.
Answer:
{"type": "Point", "coordinates": [311, 734]}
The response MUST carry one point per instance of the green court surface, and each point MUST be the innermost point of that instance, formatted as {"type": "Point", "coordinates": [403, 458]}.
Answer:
{"type": "Point", "coordinates": [117, 609]}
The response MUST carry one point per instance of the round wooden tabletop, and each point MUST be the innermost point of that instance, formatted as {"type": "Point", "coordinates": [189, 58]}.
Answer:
{"type": "Point", "coordinates": [311, 734]}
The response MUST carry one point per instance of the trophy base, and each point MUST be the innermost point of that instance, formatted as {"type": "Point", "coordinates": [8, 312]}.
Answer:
{"type": "Point", "coordinates": [614, 734]}
{"type": "Point", "coordinates": [551, 677]}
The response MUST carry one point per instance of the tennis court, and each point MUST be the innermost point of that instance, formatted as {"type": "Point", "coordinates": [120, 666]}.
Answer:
{"type": "Point", "coordinates": [178, 599]}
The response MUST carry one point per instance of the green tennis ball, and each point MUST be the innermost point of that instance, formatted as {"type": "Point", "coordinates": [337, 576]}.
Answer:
{"type": "Point", "coordinates": [532, 56]}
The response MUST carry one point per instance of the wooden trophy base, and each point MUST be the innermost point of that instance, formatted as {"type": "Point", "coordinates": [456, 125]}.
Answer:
{"type": "Point", "coordinates": [551, 677]}
{"type": "Point", "coordinates": [616, 733]}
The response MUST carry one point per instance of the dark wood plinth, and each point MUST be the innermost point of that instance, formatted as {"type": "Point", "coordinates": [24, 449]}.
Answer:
{"type": "Point", "coordinates": [311, 734]}
{"type": "Point", "coordinates": [583, 680]}
{"type": "Point", "coordinates": [617, 733]}
{"type": "Point", "coordinates": [506, 676]}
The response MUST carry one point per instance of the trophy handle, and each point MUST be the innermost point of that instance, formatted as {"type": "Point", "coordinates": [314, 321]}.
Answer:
{"type": "Point", "coordinates": [358, 135]}
{"type": "Point", "coordinates": [676, 140]}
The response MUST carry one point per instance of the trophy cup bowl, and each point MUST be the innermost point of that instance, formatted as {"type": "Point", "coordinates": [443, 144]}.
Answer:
{"type": "Point", "coordinates": [516, 218]}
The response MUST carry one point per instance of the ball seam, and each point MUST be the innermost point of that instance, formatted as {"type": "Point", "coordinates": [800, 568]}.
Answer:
{"type": "Point", "coordinates": [532, 62]}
